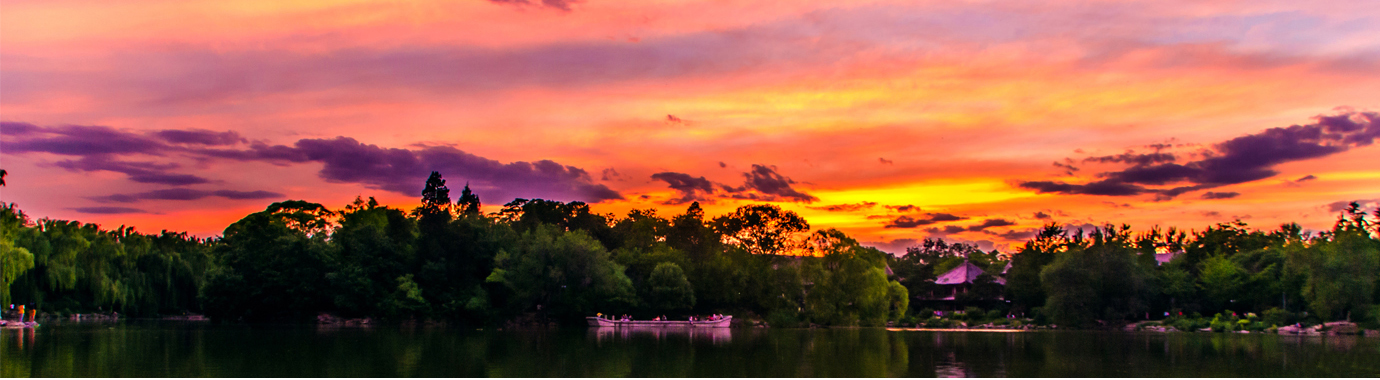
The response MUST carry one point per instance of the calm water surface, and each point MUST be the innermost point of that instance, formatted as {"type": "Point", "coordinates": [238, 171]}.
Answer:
{"type": "Point", "coordinates": [167, 349]}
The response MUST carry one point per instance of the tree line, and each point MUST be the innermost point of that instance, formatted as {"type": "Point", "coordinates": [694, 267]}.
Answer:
{"type": "Point", "coordinates": [545, 261]}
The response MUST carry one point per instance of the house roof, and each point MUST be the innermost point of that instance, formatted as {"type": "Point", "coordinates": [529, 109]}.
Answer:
{"type": "Point", "coordinates": [1165, 258]}
{"type": "Point", "coordinates": [963, 274]}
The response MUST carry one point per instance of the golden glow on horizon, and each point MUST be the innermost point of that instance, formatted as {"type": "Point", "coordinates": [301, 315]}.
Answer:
{"type": "Point", "coordinates": [942, 105]}
{"type": "Point", "coordinates": [928, 194]}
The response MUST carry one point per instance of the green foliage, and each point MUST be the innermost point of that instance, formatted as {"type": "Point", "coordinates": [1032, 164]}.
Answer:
{"type": "Point", "coordinates": [375, 253]}
{"type": "Point", "coordinates": [1220, 279]}
{"type": "Point", "coordinates": [539, 259]}
{"type": "Point", "coordinates": [1340, 274]}
{"type": "Point", "coordinates": [272, 267]}
{"type": "Point", "coordinates": [1277, 317]}
{"type": "Point", "coordinates": [762, 229]}
{"type": "Point", "coordinates": [668, 290]}
{"type": "Point", "coordinates": [974, 314]}
{"type": "Point", "coordinates": [641, 262]}
{"type": "Point", "coordinates": [564, 275]}
{"type": "Point", "coordinates": [1024, 287]}
{"type": "Point", "coordinates": [783, 318]}
{"type": "Point", "coordinates": [1175, 283]}
{"type": "Point", "coordinates": [1102, 282]}
{"type": "Point", "coordinates": [925, 313]}
{"type": "Point", "coordinates": [1371, 319]}
{"type": "Point", "coordinates": [899, 299]}
{"type": "Point", "coordinates": [850, 284]}
{"type": "Point", "coordinates": [82, 268]}
{"type": "Point", "coordinates": [406, 299]}
{"type": "Point", "coordinates": [435, 196]}
{"type": "Point", "coordinates": [994, 314]}
{"type": "Point", "coordinates": [525, 215]}
{"type": "Point", "coordinates": [14, 261]}
{"type": "Point", "coordinates": [468, 204]}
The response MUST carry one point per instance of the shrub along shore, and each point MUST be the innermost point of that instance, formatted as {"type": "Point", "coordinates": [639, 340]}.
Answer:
{"type": "Point", "coordinates": [542, 262]}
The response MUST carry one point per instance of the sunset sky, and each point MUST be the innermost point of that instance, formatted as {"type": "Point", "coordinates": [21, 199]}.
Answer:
{"type": "Point", "coordinates": [893, 121]}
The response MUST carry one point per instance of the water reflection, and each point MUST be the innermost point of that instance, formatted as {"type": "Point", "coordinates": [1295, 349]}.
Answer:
{"type": "Point", "coordinates": [198, 350]}
{"type": "Point", "coordinates": [716, 336]}
{"type": "Point", "coordinates": [951, 368]}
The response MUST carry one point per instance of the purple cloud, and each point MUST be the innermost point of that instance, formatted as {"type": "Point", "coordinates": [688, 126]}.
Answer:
{"type": "Point", "coordinates": [1013, 234]}
{"type": "Point", "coordinates": [403, 171]}
{"type": "Point", "coordinates": [79, 140]}
{"type": "Point", "coordinates": [691, 188]}
{"type": "Point", "coordinates": [765, 180]}
{"type": "Point", "coordinates": [1220, 195]}
{"type": "Point", "coordinates": [142, 172]}
{"type": "Point", "coordinates": [1242, 159]}
{"type": "Point", "coordinates": [563, 5]}
{"type": "Point", "coordinates": [990, 223]}
{"type": "Point", "coordinates": [905, 221]}
{"type": "Point", "coordinates": [108, 210]}
{"type": "Point", "coordinates": [762, 183]}
{"type": "Point", "coordinates": [344, 160]}
{"type": "Point", "coordinates": [184, 194]}
{"type": "Point", "coordinates": [847, 207]}
{"type": "Point", "coordinates": [200, 137]}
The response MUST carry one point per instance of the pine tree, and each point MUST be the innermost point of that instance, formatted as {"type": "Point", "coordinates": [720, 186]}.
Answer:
{"type": "Point", "coordinates": [468, 202]}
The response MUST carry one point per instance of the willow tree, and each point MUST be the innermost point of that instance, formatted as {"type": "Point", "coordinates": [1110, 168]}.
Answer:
{"type": "Point", "coordinates": [14, 261]}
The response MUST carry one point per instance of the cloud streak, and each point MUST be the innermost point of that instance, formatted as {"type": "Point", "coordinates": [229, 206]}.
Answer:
{"type": "Point", "coordinates": [343, 159]}
{"type": "Point", "coordinates": [762, 183]}
{"type": "Point", "coordinates": [346, 160]}
{"type": "Point", "coordinates": [906, 221]}
{"type": "Point", "coordinates": [1238, 160]}
{"type": "Point", "coordinates": [108, 210]}
{"type": "Point", "coordinates": [184, 194]}
{"type": "Point", "coordinates": [847, 207]}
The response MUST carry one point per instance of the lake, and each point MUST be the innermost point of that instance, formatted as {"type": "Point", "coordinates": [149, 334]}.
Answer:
{"type": "Point", "coordinates": [181, 349]}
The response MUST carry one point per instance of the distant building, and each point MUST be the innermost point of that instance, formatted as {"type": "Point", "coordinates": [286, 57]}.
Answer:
{"type": "Point", "coordinates": [1162, 258]}
{"type": "Point", "coordinates": [959, 280]}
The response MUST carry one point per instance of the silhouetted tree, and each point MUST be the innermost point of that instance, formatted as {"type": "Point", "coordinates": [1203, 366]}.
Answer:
{"type": "Point", "coordinates": [762, 229]}
{"type": "Point", "coordinates": [468, 202]}
{"type": "Point", "coordinates": [273, 268]}
{"type": "Point", "coordinates": [435, 197]}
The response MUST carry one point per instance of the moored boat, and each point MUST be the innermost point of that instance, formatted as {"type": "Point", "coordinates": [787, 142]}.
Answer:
{"type": "Point", "coordinates": [605, 322]}
{"type": "Point", "coordinates": [18, 325]}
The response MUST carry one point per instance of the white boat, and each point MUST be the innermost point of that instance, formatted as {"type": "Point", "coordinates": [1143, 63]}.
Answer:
{"type": "Point", "coordinates": [605, 322]}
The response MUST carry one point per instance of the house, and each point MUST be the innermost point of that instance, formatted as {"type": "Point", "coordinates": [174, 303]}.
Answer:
{"type": "Point", "coordinates": [1166, 256]}
{"type": "Point", "coordinates": [958, 281]}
